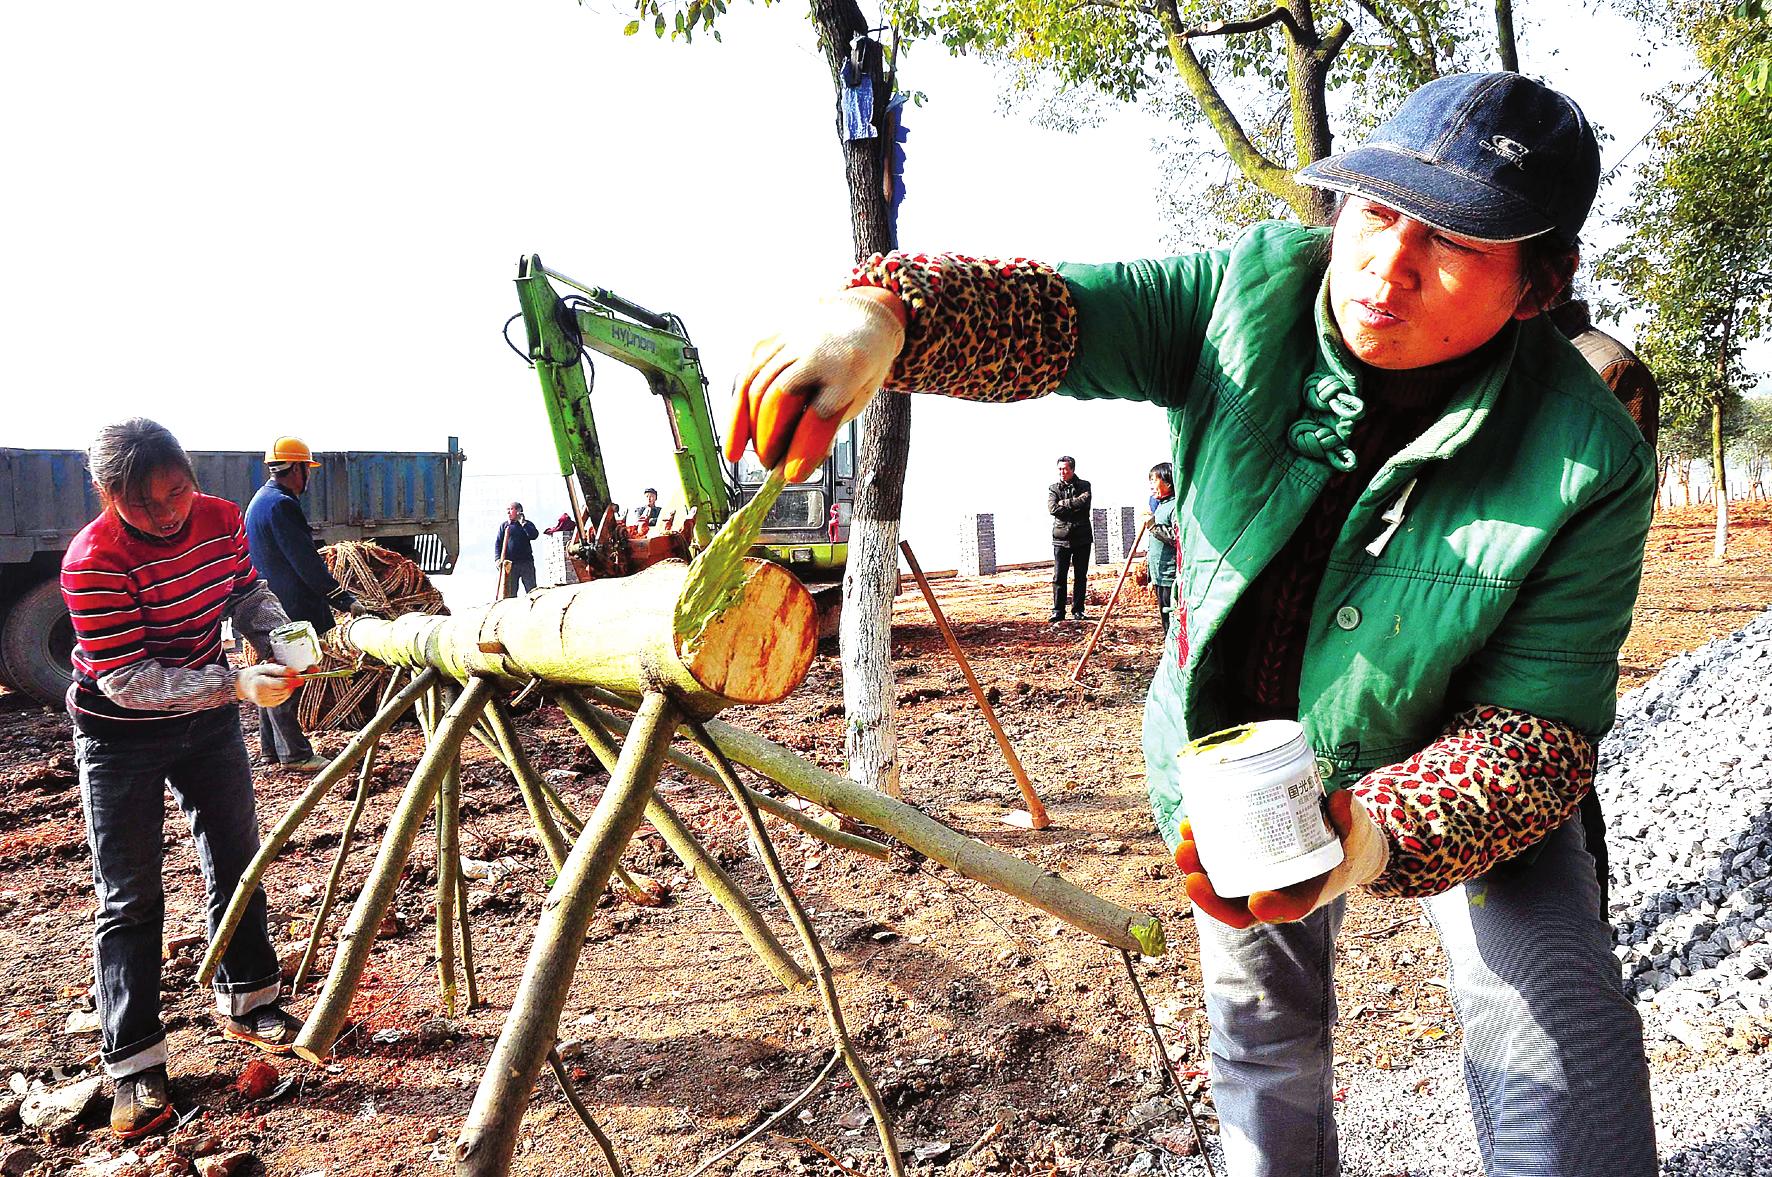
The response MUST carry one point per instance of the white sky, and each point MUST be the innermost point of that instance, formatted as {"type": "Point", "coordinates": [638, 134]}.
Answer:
{"type": "Point", "coordinates": [246, 220]}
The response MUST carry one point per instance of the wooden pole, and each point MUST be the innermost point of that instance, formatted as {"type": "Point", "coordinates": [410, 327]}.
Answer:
{"type": "Point", "coordinates": [1044, 889]}
{"type": "Point", "coordinates": [703, 866]}
{"type": "Point", "coordinates": [810, 826]}
{"type": "Point", "coordinates": [1109, 611]}
{"type": "Point", "coordinates": [448, 867]}
{"type": "Point", "coordinates": [322, 1028]}
{"type": "Point", "coordinates": [489, 1138]}
{"type": "Point", "coordinates": [274, 842]}
{"type": "Point", "coordinates": [821, 967]}
{"type": "Point", "coordinates": [470, 984]}
{"type": "Point", "coordinates": [330, 896]}
{"type": "Point", "coordinates": [1035, 818]}
{"type": "Point", "coordinates": [529, 783]}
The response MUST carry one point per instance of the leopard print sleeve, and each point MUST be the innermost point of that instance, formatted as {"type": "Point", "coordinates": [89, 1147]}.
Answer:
{"type": "Point", "coordinates": [1495, 782]}
{"type": "Point", "coordinates": [981, 329]}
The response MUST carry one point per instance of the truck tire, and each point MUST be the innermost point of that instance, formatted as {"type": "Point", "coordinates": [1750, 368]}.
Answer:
{"type": "Point", "coordinates": [36, 643]}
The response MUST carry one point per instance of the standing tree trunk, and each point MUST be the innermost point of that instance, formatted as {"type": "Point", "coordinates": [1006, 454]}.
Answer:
{"type": "Point", "coordinates": [1719, 479]}
{"type": "Point", "coordinates": [1504, 36]}
{"type": "Point", "coordinates": [1307, 72]}
{"type": "Point", "coordinates": [870, 582]}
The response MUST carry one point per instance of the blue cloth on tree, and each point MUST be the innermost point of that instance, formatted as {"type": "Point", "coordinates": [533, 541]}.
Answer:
{"type": "Point", "coordinates": [858, 104]}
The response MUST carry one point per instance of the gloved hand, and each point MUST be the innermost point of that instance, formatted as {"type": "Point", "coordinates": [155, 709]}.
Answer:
{"type": "Point", "coordinates": [266, 684]}
{"type": "Point", "coordinates": [359, 609]}
{"type": "Point", "coordinates": [1366, 852]}
{"type": "Point", "coordinates": [804, 384]}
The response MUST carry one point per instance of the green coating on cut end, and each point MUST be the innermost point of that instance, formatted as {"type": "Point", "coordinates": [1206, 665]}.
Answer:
{"type": "Point", "coordinates": [717, 574]}
{"type": "Point", "coordinates": [1149, 935]}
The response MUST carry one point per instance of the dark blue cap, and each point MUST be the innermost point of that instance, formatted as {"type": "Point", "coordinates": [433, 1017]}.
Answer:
{"type": "Point", "coordinates": [1497, 157]}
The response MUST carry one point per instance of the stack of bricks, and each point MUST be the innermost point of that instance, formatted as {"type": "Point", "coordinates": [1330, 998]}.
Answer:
{"type": "Point", "coordinates": [1098, 520]}
{"type": "Point", "coordinates": [978, 545]}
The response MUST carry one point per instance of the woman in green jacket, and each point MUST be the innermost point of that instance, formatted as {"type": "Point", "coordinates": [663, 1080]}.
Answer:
{"type": "Point", "coordinates": [1409, 517]}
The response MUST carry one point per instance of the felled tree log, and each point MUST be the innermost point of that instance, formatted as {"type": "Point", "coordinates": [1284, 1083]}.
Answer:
{"type": "Point", "coordinates": [621, 634]}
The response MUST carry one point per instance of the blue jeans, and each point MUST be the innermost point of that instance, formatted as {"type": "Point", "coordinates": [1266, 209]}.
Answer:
{"type": "Point", "coordinates": [1553, 1049]}
{"type": "Point", "coordinates": [202, 759]}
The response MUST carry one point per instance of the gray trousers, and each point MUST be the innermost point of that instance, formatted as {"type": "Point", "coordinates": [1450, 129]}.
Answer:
{"type": "Point", "coordinates": [280, 738]}
{"type": "Point", "coordinates": [1553, 1049]}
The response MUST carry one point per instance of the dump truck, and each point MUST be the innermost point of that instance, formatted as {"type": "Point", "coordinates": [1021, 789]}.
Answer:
{"type": "Point", "coordinates": [408, 502]}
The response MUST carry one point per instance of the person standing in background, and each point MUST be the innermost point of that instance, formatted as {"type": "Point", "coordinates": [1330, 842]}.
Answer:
{"type": "Point", "coordinates": [1627, 376]}
{"type": "Point", "coordinates": [1159, 557]}
{"type": "Point", "coordinates": [282, 548]}
{"type": "Point", "coordinates": [1068, 501]}
{"type": "Point", "coordinates": [515, 555]}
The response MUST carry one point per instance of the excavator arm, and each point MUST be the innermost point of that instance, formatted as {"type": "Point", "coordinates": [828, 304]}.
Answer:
{"type": "Point", "coordinates": [560, 328]}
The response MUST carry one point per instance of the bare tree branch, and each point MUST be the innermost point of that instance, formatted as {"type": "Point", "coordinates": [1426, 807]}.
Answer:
{"type": "Point", "coordinates": [1279, 14]}
{"type": "Point", "coordinates": [1333, 40]}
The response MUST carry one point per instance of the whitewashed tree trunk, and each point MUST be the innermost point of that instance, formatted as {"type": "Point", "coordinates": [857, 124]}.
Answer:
{"type": "Point", "coordinates": [870, 582]}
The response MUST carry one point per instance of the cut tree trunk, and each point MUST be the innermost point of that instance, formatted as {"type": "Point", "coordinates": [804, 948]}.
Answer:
{"type": "Point", "coordinates": [619, 634]}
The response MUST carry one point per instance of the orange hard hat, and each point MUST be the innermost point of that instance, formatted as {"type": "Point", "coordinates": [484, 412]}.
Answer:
{"type": "Point", "coordinates": [289, 449]}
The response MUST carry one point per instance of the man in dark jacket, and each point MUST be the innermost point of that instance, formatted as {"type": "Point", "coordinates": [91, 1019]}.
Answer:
{"type": "Point", "coordinates": [512, 546]}
{"type": "Point", "coordinates": [282, 549]}
{"type": "Point", "coordinates": [1073, 542]}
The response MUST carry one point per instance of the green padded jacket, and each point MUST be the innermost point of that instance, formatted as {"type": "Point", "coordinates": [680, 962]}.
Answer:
{"type": "Point", "coordinates": [1524, 508]}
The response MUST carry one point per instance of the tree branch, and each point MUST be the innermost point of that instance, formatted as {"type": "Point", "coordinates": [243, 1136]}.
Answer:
{"type": "Point", "coordinates": [1279, 14]}
{"type": "Point", "coordinates": [1269, 176]}
{"type": "Point", "coordinates": [1333, 41]}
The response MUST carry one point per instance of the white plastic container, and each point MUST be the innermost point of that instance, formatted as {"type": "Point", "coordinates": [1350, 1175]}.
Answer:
{"type": "Point", "coordinates": [295, 645]}
{"type": "Point", "coordinates": [1256, 803]}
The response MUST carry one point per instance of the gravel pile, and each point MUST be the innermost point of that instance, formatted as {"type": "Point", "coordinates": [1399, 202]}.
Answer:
{"type": "Point", "coordinates": [1685, 779]}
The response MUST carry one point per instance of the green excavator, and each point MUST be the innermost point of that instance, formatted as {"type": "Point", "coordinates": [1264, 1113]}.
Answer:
{"type": "Point", "coordinates": [806, 529]}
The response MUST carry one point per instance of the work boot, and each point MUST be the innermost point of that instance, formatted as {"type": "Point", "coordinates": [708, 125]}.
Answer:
{"type": "Point", "coordinates": [269, 1027]}
{"type": "Point", "coordinates": [1055, 619]}
{"type": "Point", "coordinates": [1079, 615]}
{"type": "Point", "coordinates": [140, 1103]}
{"type": "Point", "coordinates": [314, 763]}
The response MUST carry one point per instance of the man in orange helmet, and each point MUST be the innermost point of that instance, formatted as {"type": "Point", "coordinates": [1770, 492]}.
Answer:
{"type": "Point", "coordinates": [282, 549]}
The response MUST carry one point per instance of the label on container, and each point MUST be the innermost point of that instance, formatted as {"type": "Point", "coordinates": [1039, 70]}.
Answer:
{"type": "Point", "coordinates": [1254, 799]}
{"type": "Point", "coordinates": [1282, 819]}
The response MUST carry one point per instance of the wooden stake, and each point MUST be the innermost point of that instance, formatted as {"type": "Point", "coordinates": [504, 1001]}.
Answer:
{"type": "Point", "coordinates": [529, 783]}
{"type": "Point", "coordinates": [448, 868]}
{"type": "Point", "coordinates": [810, 826]}
{"type": "Point", "coordinates": [703, 866]}
{"type": "Point", "coordinates": [1036, 812]}
{"type": "Point", "coordinates": [821, 967]}
{"type": "Point", "coordinates": [584, 1113]}
{"type": "Point", "coordinates": [322, 1028]}
{"type": "Point", "coordinates": [489, 1138]}
{"type": "Point", "coordinates": [470, 983]}
{"type": "Point", "coordinates": [274, 842]}
{"type": "Point", "coordinates": [1100, 626]}
{"type": "Point", "coordinates": [1044, 889]}
{"type": "Point", "coordinates": [344, 848]}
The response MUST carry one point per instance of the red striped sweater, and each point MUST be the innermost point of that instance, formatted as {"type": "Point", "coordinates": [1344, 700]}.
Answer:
{"type": "Point", "coordinates": [137, 601]}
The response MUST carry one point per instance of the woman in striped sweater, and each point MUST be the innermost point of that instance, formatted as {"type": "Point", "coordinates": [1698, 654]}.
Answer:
{"type": "Point", "coordinates": [153, 702]}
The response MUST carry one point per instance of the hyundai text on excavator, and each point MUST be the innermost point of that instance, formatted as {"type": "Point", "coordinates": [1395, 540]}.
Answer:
{"type": "Point", "coordinates": [807, 528]}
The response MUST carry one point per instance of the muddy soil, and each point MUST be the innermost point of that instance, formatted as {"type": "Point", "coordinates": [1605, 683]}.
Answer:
{"type": "Point", "coordinates": [1003, 1040]}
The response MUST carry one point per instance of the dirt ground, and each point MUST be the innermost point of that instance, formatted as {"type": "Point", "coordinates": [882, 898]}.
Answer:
{"type": "Point", "coordinates": [1003, 1040]}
